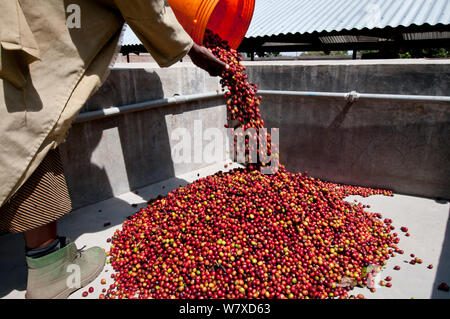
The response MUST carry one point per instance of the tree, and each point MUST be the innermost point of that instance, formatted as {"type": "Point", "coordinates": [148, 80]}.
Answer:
{"type": "Point", "coordinates": [425, 53]}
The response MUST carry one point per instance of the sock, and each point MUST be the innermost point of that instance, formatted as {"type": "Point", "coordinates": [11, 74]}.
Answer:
{"type": "Point", "coordinates": [55, 245]}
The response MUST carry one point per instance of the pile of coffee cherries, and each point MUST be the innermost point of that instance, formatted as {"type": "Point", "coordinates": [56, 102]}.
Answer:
{"type": "Point", "coordinates": [244, 234]}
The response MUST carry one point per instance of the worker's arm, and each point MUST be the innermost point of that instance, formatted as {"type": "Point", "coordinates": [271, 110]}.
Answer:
{"type": "Point", "coordinates": [162, 35]}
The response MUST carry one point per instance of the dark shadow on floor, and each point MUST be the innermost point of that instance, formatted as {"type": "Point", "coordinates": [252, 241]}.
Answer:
{"type": "Point", "coordinates": [13, 270]}
{"type": "Point", "coordinates": [443, 271]}
{"type": "Point", "coordinates": [112, 212]}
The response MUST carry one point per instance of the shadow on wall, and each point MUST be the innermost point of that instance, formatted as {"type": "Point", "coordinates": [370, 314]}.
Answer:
{"type": "Point", "coordinates": [443, 271]}
{"type": "Point", "coordinates": [92, 149]}
{"type": "Point", "coordinates": [126, 86]}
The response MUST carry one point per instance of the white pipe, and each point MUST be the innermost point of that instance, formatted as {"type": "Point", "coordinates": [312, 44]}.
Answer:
{"type": "Point", "coordinates": [355, 96]}
{"type": "Point", "coordinates": [350, 97]}
{"type": "Point", "coordinates": [147, 105]}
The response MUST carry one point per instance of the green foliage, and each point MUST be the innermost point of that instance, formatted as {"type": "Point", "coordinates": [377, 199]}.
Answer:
{"type": "Point", "coordinates": [268, 54]}
{"type": "Point", "coordinates": [425, 53]}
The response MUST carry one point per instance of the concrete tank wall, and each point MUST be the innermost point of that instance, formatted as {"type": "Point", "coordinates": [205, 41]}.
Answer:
{"type": "Point", "coordinates": [397, 145]}
{"type": "Point", "coordinates": [111, 156]}
{"type": "Point", "coordinates": [418, 77]}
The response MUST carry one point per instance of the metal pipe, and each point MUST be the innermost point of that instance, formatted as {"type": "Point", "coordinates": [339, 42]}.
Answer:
{"type": "Point", "coordinates": [350, 97]}
{"type": "Point", "coordinates": [147, 105]}
{"type": "Point", "coordinates": [419, 98]}
{"type": "Point", "coordinates": [302, 93]}
{"type": "Point", "coordinates": [355, 96]}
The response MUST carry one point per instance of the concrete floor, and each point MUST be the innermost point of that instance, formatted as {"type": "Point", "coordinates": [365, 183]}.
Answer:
{"type": "Point", "coordinates": [427, 220]}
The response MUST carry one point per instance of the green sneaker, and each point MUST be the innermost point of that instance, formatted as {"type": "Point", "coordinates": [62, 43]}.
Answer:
{"type": "Point", "coordinates": [57, 275]}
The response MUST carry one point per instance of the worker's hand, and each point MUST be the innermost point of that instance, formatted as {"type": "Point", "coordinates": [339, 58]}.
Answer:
{"type": "Point", "coordinates": [203, 58]}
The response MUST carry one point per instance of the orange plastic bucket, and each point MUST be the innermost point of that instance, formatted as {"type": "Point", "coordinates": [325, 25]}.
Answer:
{"type": "Point", "coordinates": [228, 18]}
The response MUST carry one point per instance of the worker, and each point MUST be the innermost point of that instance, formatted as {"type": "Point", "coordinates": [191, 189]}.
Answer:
{"type": "Point", "coordinates": [54, 55]}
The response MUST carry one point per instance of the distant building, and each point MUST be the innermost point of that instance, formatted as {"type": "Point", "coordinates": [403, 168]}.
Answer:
{"type": "Point", "coordinates": [339, 25]}
{"type": "Point", "coordinates": [348, 25]}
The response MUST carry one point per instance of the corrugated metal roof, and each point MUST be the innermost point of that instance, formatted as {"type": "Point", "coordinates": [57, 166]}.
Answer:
{"type": "Point", "coordinates": [274, 17]}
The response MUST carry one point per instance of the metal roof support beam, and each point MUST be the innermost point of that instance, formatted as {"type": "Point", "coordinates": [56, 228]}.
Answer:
{"type": "Point", "coordinates": [404, 44]}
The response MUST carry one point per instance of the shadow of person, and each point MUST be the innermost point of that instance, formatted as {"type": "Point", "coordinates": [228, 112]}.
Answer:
{"type": "Point", "coordinates": [133, 152]}
{"type": "Point", "coordinates": [98, 169]}
{"type": "Point", "coordinates": [144, 136]}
